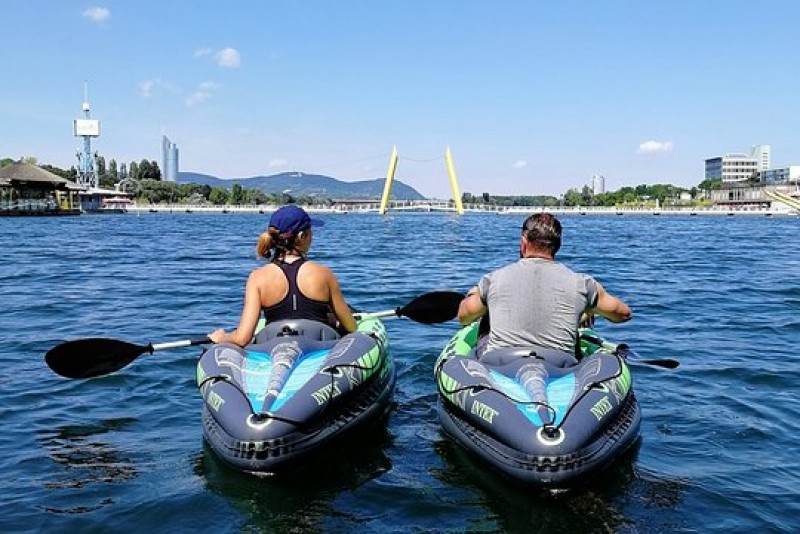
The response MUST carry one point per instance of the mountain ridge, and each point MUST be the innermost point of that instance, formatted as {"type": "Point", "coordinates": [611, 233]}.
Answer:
{"type": "Point", "coordinates": [300, 183]}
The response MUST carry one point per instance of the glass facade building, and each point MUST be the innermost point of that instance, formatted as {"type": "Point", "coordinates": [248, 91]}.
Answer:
{"type": "Point", "coordinates": [169, 160]}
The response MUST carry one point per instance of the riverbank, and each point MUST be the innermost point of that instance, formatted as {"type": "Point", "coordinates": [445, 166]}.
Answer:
{"type": "Point", "coordinates": [500, 210]}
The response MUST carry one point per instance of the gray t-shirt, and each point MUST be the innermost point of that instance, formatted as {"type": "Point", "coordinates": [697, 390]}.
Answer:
{"type": "Point", "coordinates": [536, 302]}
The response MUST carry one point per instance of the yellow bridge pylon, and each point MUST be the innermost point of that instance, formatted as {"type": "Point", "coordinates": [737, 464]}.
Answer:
{"type": "Point", "coordinates": [451, 173]}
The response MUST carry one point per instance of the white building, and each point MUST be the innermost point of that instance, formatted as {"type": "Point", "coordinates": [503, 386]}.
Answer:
{"type": "Point", "coordinates": [598, 184]}
{"type": "Point", "coordinates": [732, 168]}
{"type": "Point", "coordinates": [762, 155]}
{"type": "Point", "coordinates": [738, 168]}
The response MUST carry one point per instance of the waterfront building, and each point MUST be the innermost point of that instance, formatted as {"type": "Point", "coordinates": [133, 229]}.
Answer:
{"type": "Point", "coordinates": [762, 155]}
{"type": "Point", "coordinates": [732, 168]}
{"type": "Point", "coordinates": [598, 184]}
{"type": "Point", "coordinates": [169, 160]}
{"type": "Point", "coordinates": [26, 189]}
{"type": "Point", "coordinates": [784, 175]}
{"type": "Point", "coordinates": [740, 195]}
{"type": "Point", "coordinates": [739, 168]}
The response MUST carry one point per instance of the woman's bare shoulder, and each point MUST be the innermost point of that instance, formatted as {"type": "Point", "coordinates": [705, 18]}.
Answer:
{"type": "Point", "coordinates": [317, 269]}
{"type": "Point", "coordinates": [265, 272]}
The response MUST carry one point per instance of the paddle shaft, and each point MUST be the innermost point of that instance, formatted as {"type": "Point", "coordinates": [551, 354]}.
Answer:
{"type": "Point", "coordinates": [377, 315]}
{"type": "Point", "coordinates": [623, 350]}
{"type": "Point", "coordinates": [178, 344]}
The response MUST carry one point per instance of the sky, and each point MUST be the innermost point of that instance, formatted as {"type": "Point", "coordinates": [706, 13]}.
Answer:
{"type": "Point", "coordinates": [531, 97]}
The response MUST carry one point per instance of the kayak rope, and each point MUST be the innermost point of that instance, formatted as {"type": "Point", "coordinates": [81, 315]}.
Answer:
{"type": "Point", "coordinates": [592, 385]}
{"type": "Point", "coordinates": [259, 416]}
{"type": "Point", "coordinates": [549, 427]}
{"type": "Point", "coordinates": [480, 387]}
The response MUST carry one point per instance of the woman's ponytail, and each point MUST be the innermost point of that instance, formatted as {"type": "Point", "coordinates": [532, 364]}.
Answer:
{"type": "Point", "coordinates": [264, 245]}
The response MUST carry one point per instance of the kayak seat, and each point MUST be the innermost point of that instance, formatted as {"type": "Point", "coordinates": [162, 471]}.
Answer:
{"type": "Point", "coordinates": [297, 327]}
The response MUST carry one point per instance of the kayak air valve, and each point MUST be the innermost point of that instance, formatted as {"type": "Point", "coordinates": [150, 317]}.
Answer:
{"type": "Point", "coordinates": [550, 435]}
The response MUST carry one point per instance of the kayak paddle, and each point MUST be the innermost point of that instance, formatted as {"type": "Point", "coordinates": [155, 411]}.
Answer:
{"type": "Point", "coordinates": [430, 308]}
{"type": "Point", "coordinates": [97, 356]}
{"type": "Point", "coordinates": [90, 357]}
{"type": "Point", "coordinates": [625, 352]}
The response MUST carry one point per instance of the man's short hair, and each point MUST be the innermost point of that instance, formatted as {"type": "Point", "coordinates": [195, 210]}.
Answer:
{"type": "Point", "coordinates": [543, 230]}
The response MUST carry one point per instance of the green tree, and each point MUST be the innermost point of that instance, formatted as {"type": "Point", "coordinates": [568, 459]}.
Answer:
{"type": "Point", "coordinates": [106, 181]}
{"type": "Point", "coordinates": [112, 169]}
{"type": "Point", "coordinates": [145, 171]}
{"type": "Point", "coordinates": [69, 175]}
{"type": "Point", "coordinates": [133, 172]}
{"type": "Point", "coordinates": [155, 171]}
{"type": "Point", "coordinates": [219, 196]}
{"type": "Point", "coordinates": [572, 198]}
{"type": "Point", "coordinates": [101, 166]}
{"type": "Point", "coordinates": [237, 195]}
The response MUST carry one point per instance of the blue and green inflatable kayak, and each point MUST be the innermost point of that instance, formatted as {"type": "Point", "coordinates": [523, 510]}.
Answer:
{"type": "Point", "coordinates": [295, 388]}
{"type": "Point", "coordinates": [540, 416]}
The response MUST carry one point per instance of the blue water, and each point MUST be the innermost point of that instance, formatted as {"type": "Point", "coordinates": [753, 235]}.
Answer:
{"type": "Point", "coordinates": [720, 434]}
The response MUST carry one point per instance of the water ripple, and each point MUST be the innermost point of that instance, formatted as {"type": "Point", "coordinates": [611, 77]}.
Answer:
{"type": "Point", "coordinates": [721, 295]}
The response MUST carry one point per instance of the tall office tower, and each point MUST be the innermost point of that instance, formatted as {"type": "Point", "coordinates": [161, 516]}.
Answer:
{"type": "Point", "coordinates": [598, 184]}
{"type": "Point", "coordinates": [762, 155]}
{"type": "Point", "coordinates": [169, 160]}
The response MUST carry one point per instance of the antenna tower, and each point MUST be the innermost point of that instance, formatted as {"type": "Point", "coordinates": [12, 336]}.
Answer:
{"type": "Point", "coordinates": [87, 128]}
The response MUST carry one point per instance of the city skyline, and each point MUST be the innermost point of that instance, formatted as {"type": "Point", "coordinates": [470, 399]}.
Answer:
{"type": "Point", "coordinates": [531, 99]}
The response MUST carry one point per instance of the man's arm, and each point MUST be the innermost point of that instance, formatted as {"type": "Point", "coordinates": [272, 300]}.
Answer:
{"type": "Point", "coordinates": [471, 308]}
{"type": "Point", "coordinates": [610, 307]}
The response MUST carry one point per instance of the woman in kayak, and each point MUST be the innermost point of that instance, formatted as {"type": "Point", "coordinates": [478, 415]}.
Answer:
{"type": "Point", "coordinates": [289, 286]}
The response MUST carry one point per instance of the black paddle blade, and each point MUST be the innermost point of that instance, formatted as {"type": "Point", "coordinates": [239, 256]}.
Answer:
{"type": "Point", "coordinates": [86, 358]}
{"type": "Point", "coordinates": [433, 307]}
{"type": "Point", "coordinates": [630, 356]}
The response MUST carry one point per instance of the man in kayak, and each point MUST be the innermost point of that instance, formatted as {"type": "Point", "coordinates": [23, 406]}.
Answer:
{"type": "Point", "coordinates": [289, 287]}
{"type": "Point", "coordinates": [537, 300]}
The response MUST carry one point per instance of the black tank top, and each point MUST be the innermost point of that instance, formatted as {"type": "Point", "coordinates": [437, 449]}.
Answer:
{"type": "Point", "coordinates": [295, 305]}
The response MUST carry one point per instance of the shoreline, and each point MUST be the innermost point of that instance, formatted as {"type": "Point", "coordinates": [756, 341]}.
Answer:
{"type": "Point", "coordinates": [501, 210]}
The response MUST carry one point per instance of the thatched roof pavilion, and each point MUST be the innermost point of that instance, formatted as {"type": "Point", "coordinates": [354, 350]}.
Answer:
{"type": "Point", "coordinates": [20, 173]}
{"type": "Point", "coordinates": [26, 189]}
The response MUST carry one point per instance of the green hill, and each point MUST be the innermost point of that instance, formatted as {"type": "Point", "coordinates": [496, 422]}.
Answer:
{"type": "Point", "coordinates": [298, 183]}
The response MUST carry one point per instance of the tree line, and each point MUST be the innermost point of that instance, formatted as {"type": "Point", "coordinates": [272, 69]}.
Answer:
{"type": "Point", "coordinates": [143, 179]}
{"type": "Point", "coordinates": [640, 195]}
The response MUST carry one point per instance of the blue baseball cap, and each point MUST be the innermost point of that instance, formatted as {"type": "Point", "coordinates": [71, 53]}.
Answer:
{"type": "Point", "coordinates": [292, 219]}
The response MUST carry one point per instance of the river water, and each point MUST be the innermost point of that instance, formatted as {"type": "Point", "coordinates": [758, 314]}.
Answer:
{"type": "Point", "coordinates": [719, 435]}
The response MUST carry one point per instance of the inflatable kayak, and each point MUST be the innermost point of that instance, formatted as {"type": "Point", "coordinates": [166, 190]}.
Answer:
{"type": "Point", "coordinates": [540, 416]}
{"type": "Point", "coordinates": [298, 386]}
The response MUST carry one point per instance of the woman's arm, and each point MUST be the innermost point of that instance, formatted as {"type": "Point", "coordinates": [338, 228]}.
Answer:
{"type": "Point", "coordinates": [339, 305]}
{"type": "Point", "coordinates": [248, 320]}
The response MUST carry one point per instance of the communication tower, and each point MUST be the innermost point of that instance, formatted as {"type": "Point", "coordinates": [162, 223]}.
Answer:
{"type": "Point", "coordinates": [87, 128]}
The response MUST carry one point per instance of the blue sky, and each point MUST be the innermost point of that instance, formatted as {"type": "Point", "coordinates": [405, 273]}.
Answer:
{"type": "Point", "coordinates": [531, 97]}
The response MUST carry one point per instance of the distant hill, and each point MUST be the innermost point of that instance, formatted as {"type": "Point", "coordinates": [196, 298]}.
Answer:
{"type": "Point", "coordinates": [308, 184]}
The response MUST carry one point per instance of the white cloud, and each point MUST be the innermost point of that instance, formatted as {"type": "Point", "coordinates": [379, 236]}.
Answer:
{"type": "Point", "coordinates": [202, 52]}
{"type": "Point", "coordinates": [273, 163]}
{"type": "Point", "coordinates": [97, 14]}
{"type": "Point", "coordinates": [654, 147]}
{"type": "Point", "coordinates": [521, 164]}
{"type": "Point", "coordinates": [228, 57]}
{"type": "Point", "coordinates": [201, 94]}
{"type": "Point", "coordinates": [147, 87]}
